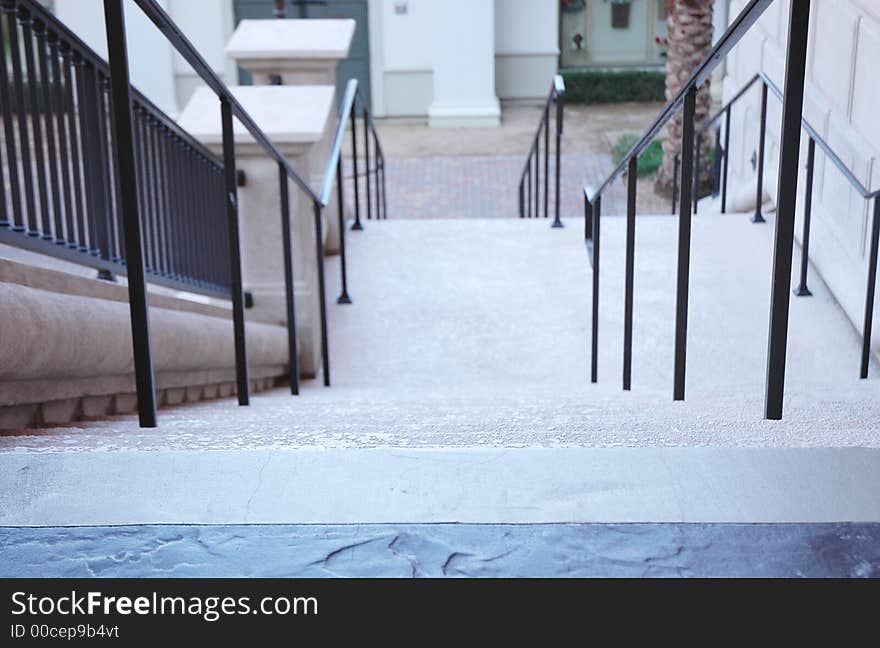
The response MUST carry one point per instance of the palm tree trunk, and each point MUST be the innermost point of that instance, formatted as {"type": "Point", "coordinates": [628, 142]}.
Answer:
{"type": "Point", "coordinates": [690, 41]}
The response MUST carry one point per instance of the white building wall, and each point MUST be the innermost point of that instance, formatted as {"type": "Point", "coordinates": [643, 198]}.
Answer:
{"type": "Point", "coordinates": [841, 101]}
{"type": "Point", "coordinates": [404, 52]}
{"type": "Point", "coordinates": [526, 47]}
{"type": "Point", "coordinates": [149, 54]}
{"type": "Point", "coordinates": [155, 67]}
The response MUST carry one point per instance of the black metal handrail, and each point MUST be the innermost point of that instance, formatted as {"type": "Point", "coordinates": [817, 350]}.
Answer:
{"type": "Point", "coordinates": [332, 173]}
{"type": "Point", "coordinates": [62, 196]}
{"type": "Point", "coordinates": [137, 194]}
{"type": "Point", "coordinates": [528, 178]}
{"type": "Point", "coordinates": [685, 99]}
{"type": "Point", "coordinates": [815, 141]}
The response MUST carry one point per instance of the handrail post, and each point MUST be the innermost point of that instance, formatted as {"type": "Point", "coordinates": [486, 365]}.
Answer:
{"type": "Point", "coordinates": [292, 355]}
{"type": "Point", "coordinates": [560, 112]}
{"type": "Point", "coordinates": [231, 192]}
{"type": "Point", "coordinates": [367, 172]}
{"type": "Point", "coordinates": [120, 89]}
{"type": "Point", "coordinates": [632, 177]}
{"type": "Point", "coordinates": [726, 161]}
{"type": "Point", "coordinates": [379, 215]}
{"type": "Point", "coordinates": [802, 290]}
{"type": "Point", "coordinates": [762, 141]}
{"type": "Point", "coordinates": [537, 177]}
{"type": "Point", "coordinates": [684, 241]}
{"type": "Point", "coordinates": [676, 166]}
{"type": "Point", "coordinates": [343, 297]}
{"type": "Point", "coordinates": [322, 297]}
{"type": "Point", "coordinates": [522, 213]}
{"type": "Point", "coordinates": [354, 159]}
{"type": "Point", "coordinates": [792, 116]}
{"type": "Point", "coordinates": [547, 161]}
{"type": "Point", "coordinates": [529, 186]}
{"type": "Point", "coordinates": [871, 289]}
{"type": "Point", "coordinates": [384, 189]}
{"type": "Point", "coordinates": [697, 169]}
{"type": "Point", "coordinates": [594, 338]}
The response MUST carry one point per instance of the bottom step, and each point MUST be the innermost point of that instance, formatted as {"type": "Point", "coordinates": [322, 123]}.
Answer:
{"type": "Point", "coordinates": [479, 485]}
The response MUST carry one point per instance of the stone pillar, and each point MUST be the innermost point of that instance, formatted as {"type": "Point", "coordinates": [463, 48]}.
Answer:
{"type": "Point", "coordinates": [297, 121]}
{"type": "Point", "coordinates": [464, 64]}
{"type": "Point", "coordinates": [297, 53]}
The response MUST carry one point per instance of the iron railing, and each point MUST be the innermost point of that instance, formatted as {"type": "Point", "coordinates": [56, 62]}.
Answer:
{"type": "Point", "coordinates": [530, 182]}
{"type": "Point", "coordinates": [685, 99]}
{"type": "Point", "coordinates": [815, 140]}
{"type": "Point", "coordinates": [96, 174]}
{"type": "Point", "coordinates": [60, 194]}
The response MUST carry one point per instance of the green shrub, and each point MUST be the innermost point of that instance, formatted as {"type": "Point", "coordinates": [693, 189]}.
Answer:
{"type": "Point", "coordinates": [650, 159]}
{"type": "Point", "coordinates": [594, 87]}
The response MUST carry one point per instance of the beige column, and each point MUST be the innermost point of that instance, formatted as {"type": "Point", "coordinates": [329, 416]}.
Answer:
{"type": "Point", "coordinates": [297, 120]}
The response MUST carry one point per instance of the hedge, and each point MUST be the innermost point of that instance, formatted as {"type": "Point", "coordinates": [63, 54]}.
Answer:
{"type": "Point", "coordinates": [594, 87]}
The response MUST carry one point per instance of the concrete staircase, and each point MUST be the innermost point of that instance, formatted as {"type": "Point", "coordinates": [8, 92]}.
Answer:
{"type": "Point", "coordinates": [460, 393]}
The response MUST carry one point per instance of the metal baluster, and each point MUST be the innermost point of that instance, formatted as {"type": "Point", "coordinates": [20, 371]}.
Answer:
{"type": "Point", "coordinates": [140, 174]}
{"type": "Point", "coordinates": [44, 54]}
{"type": "Point", "coordinates": [522, 213]}
{"type": "Point", "coordinates": [292, 356]}
{"type": "Point", "coordinates": [676, 165]}
{"type": "Point", "coordinates": [322, 297]}
{"type": "Point", "coordinates": [537, 158]}
{"type": "Point", "coordinates": [102, 216]}
{"type": "Point", "coordinates": [762, 141]}
{"type": "Point", "coordinates": [697, 169]}
{"type": "Point", "coordinates": [137, 288]}
{"type": "Point", "coordinates": [378, 166]}
{"type": "Point", "coordinates": [151, 191]}
{"type": "Point", "coordinates": [529, 184]}
{"type": "Point", "coordinates": [172, 177]}
{"type": "Point", "coordinates": [115, 214]}
{"type": "Point", "coordinates": [547, 160]}
{"type": "Point", "coordinates": [6, 101]}
{"type": "Point", "coordinates": [594, 351]}
{"type": "Point", "coordinates": [632, 177]}
{"type": "Point", "coordinates": [160, 207]}
{"type": "Point", "coordinates": [367, 171]}
{"type": "Point", "coordinates": [802, 290]}
{"type": "Point", "coordinates": [343, 298]}
{"type": "Point", "coordinates": [91, 172]}
{"type": "Point", "coordinates": [22, 110]}
{"type": "Point", "coordinates": [27, 34]}
{"type": "Point", "coordinates": [792, 116]}
{"type": "Point", "coordinates": [871, 289]}
{"type": "Point", "coordinates": [726, 161]}
{"type": "Point", "coordinates": [354, 160]}
{"type": "Point", "coordinates": [560, 111]}
{"type": "Point", "coordinates": [62, 110]}
{"type": "Point", "coordinates": [231, 193]}
{"type": "Point", "coordinates": [384, 191]}
{"type": "Point", "coordinates": [70, 61]}
{"type": "Point", "coordinates": [684, 241]}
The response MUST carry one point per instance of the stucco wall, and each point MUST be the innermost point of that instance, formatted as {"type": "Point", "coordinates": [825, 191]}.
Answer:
{"type": "Point", "coordinates": [404, 52]}
{"type": "Point", "coordinates": [526, 47]}
{"type": "Point", "coordinates": [842, 96]}
{"type": "Point", "coordinates": [156, 69]}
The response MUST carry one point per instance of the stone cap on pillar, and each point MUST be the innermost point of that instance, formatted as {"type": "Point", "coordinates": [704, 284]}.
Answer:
{"type": "Point", "coordinates": [266, 45]}
{"type": "Point", "coordinates": [292, 117]}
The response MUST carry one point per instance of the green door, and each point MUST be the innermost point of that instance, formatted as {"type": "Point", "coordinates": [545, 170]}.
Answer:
{"type": "Point", "coordinates": [357, 65]}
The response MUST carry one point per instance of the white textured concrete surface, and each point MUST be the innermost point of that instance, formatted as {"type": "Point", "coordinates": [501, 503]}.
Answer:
{"type": "Point", "coordinates": [460, 394]}
{"type": "Point", "coordinates": [485, 485]}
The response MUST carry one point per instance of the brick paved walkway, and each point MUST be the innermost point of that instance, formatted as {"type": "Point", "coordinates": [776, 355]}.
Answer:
{"type": "Point", "coordinates": [487, 186]}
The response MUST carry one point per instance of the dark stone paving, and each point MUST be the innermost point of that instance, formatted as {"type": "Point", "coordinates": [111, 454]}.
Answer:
{"type": "Point", "coordinates": [438, 550]}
